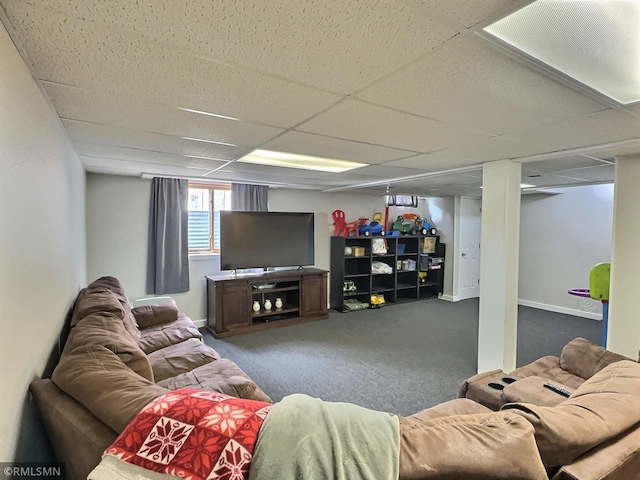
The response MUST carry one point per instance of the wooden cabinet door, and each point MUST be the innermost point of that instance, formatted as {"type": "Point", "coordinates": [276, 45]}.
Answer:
{"type": "Point", "coordinates": [234, 305]}
{"type": "Point", "coordinates": [313, 295]}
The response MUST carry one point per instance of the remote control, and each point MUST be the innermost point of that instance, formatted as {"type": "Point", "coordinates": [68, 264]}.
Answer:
{"type": "Point", "coordinates": [557, 389]}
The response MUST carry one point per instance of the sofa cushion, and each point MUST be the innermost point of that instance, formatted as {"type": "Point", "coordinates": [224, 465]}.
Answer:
{"type": "Point", "coordinates": [459, 406]}
{"type": "Point", "coordinates": [532, 390]}
{"type": "Point", "coordinates": [149, 315]}
{"type": "Point", "coordinates": [603, 407]}
{"type": "Point", "coordinates": [108, 330]}
{"type": "Point", "coordinates": [584, 359]}
{"type": "Point", "coordinates": [166, 334]}
{"type": "Point", "coordinates": [496, 445]}
{"type": "Point", "coordinates": [180, 358]}
{"type": "Point", "coordinates": [99, 380]}
{"type": "Point", "coordinates": [222, 376]}
{"type": "Point", "coordinates": [548, 367]}
{"type": "Point", "coordinates": [105, 295]}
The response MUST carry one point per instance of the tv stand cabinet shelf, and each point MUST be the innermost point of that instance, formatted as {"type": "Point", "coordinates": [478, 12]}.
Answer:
{"type": "Point", "coordinates": [417, 264]}
{"type": "Point", "coordinates": [230, 299]}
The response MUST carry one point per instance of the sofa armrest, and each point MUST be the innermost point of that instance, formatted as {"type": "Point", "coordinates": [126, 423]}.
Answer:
{"type": "Point", "coordinates": [532, 390]}
{"type": "Point", "coordinates": [617, 459]}
{"type": "Point", "coordinates": [150, 315]}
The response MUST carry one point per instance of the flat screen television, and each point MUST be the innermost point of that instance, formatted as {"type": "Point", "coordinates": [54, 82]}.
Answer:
{"type": "Point", "coordinates": [265, 239]}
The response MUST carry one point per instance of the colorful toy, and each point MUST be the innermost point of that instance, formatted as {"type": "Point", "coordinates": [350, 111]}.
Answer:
{"type": "Point", "coordinates": [399, 226]}
{"type": "Point", "coordinates": [598, 290]}
{"type": "Point", "coordinates": [373, 228]}
{"type": "Point", "coordinates": [377, 300]}
{"type": "Point", "coordinates": [424, 227]}
{"type": "Point", "coordinates": [342, 227]}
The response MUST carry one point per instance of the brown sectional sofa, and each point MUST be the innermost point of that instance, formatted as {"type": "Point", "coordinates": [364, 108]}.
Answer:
{"type": "Point", "coordinates": [580, 361]}
{"type": "Point", "coordinates": [115, 361]}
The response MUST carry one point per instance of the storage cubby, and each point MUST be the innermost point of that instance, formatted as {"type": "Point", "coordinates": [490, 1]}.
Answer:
{"type": "Point", "coordinates": [303, 292]}
{"type": "Point", "coordinates": [352, 262]}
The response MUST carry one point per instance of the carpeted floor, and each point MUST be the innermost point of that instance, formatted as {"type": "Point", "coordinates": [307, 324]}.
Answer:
{"type": "Point", "coordinates": [400, 358]}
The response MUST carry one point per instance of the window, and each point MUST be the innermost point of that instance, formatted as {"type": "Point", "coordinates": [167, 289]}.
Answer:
{"type": "Point", "coordinates": [205, 203]}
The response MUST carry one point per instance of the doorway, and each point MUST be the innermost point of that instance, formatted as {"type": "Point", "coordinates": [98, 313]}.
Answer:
{"type": "Point", "coordinates": [469, 252]}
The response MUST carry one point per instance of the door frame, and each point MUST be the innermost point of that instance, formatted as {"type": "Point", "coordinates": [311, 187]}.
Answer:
{"type": "Point", "coordinates": [457, 246]}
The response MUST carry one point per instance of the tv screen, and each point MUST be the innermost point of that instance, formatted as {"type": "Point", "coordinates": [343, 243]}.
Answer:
{"type": "Point", "coordinates": [265, 239]}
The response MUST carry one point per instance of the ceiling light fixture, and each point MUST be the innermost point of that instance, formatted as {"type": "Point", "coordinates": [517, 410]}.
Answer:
{"type": "Point", "coordinates": [294, 160]}
{"type": "Point", "coordinates": [594, 43]}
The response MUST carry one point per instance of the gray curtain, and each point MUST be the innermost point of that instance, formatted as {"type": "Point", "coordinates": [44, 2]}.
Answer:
{"type": "Point", "coordinates": [249, 198]}
{"type": "Point", "coordinates": [168, 255]}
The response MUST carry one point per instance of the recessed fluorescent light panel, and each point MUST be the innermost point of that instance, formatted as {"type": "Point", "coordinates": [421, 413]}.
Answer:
{"type": "Point", "coordinates": [592, 42]}
{"type": "Point", "coordinates": [305, 162]}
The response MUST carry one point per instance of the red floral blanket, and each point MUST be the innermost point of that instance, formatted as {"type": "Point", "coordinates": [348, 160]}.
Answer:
{"type": "Point", "coordinates": [188, 433]}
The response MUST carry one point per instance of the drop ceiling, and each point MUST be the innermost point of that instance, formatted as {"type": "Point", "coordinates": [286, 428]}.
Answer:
{"type": "Point", "coordinates": [405, 86]}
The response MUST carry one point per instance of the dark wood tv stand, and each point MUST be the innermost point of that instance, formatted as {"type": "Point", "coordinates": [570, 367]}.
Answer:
{"type": "Point", "coordinates": [230, 299]}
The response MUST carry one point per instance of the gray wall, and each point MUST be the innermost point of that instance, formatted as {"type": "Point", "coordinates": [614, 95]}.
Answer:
{"type": "Point", "coordinates": [561, 237]}
{"type": "Point", "coordinates": [117, 222]}
{"type": "Point", "coordinates": [42, 246]}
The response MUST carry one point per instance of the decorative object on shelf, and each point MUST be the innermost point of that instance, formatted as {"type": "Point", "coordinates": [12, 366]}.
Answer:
{"type": "Point", "coordinates": [256, 306]}
{"type": "Point", "coordinates": [379, 246]}
{"type": "Point", "coordinates": [278, 303]}
{"type": "Point", "coordinates": [267, 304]}
{"type": "Point", "coordinates": [377, 300]}
{"type": "Point", "coordinates": [358, 251]}
{"type": "Point", "coordinates": [348, 251]}
{"type": "Point", "coordinates": [349, 286]}
{"type": "Point", "coordinates": [342, 227]}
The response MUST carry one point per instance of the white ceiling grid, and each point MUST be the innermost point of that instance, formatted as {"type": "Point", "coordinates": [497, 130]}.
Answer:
{"type": "Point", "coordinates": [404, 86]}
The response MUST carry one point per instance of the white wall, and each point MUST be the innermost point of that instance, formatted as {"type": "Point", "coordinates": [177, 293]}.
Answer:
{"type": "Point", "coordinates": [117, 225]}
{"type": "Point", "coordinates": [561, 237]}
{"type": "Point", "coordinates": [42, 244]}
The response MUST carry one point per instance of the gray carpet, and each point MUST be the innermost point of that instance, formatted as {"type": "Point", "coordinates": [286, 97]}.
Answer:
{"type": "Point", "coordinates": [400, 358]}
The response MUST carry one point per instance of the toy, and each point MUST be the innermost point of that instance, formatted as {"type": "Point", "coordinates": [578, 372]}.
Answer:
{"type": "Point", "coordinates": [399, 226]}
{"type": "Point", "coordinates": [598, 290]}
{"type": "Point", "coordinates": [377, 300]}
{"type": "Point", "coordinates": [373, 228]}
{"type": "Point", "coordinates": [424, 227]}
{"type": "Point", "coordinates": [349, 286]}
{"type": "Point", "coordinates": [342, 227]}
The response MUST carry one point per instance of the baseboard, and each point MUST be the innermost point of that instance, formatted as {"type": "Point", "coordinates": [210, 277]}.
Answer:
{"type": "Point", "coordinates": [565, 310]}
{"type": "Point", "coordinates": [200, 323]}
{"type": "Point", "coordinates": [449, 298]}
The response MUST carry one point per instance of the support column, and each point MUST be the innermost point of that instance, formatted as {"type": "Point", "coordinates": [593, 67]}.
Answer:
{"type": "Point", "coordinates": [624, 320]}
{"type": "Point", "coordinates": [499, 256]}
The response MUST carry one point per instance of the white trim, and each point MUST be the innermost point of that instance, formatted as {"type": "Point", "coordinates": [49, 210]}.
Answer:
{"type": "Point", "coordinates": [449, 298]}
{"type": "Point", "coordinates": [200, 323]}
{"type": "Point", "coordinates": [565, 310]}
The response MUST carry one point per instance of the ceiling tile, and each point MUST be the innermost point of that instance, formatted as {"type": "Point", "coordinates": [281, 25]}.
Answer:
{"type": "Point", "coordinates": [494, 148]}
{"type": "Point", "coordinates": [126, 112]}
{"type": "Point", "coordinates": [552, 180]}
{"type": "Point", "coordinates": [123, 137]}
{"type": "Point", "coordinates": [598, 128]}
{"type": "Point", "coordinates": [74, 52]}
{"type": "Point", "coordinates": [564, 163]}
{"type": "Point", "coordinates": [320, 146]}
{"type": "Point", "coordinates": [110, 166]}
{"type": "Point", "coordinates": [384, 171]}
{"type": "Point", "coordinates": [467, 83]}
{"type": "Point", "coordinates": [432, 163]}
{"type": "Point", "coordinates": [359, 121]}
{"type": "Point", "coordinates": [605, 173]}
{"type": "Point", "coordinates": [465, 13]}
{"type": "Point", "coordinates": [144, 156]}
{"type": "Point", "coordinates": [307, 41]}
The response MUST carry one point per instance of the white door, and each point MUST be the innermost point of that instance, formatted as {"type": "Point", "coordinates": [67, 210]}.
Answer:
{"type": "Point", "coordinates": [469, 261]}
